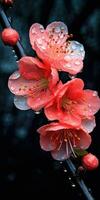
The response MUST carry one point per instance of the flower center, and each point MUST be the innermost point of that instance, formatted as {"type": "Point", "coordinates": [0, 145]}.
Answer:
{"type": "Point", "coordinates": [58, 43]}
{"type": "Point", "coordinates": [38, 86]}
{"type": "Point", "coordinates": [67, 104]}
{"type": "Point", "coordinates": [69, 137]}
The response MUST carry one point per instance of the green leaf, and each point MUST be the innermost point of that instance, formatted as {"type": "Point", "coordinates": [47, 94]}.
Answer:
{"type": "Point", "coordinates": [80, 152]}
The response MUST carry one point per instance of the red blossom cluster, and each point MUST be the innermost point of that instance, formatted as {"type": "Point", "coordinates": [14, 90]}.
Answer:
{"type": "Point", "coordinates": [69, 106]}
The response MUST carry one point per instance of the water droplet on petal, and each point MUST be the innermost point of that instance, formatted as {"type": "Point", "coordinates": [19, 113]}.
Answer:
{"type": "Point", "coordinates": [95, 93]}
{"type": "Point", "coordinates": [68, 65]}
{"type": "Point", "coordinates": [43, 47]}
{"type": "Point", "coordinates": [21, 103]}
{"type": "Point", "coordinates": [72, 76]}
{"type": "Point", "coordinates": [77, 48]}
{"type": "Point", "coordinates": [67, 58]}
{"type": "Point", "coordinates": [42, 30]}
{"type": "Point", "coordinates": [77, 62]}
{"type": "Point", "coordinates": [61, 36]}
{"type": "Point", "coordinates": [33, 31]}
{"type": "Point", "coordinates": [81, 48]}
{"type": "Point", "coordinates": [89, 105]}
{"type": "Point", "coordinates": [57, 29]}
{"type": "Point", "coordinates": [39, 41]}
{"type": "Point", "coordinates": [74, 46]}
{"type": "Point", "coordinates": [15, 75]}
{"type": "Point", "coordinates": [12, 88]}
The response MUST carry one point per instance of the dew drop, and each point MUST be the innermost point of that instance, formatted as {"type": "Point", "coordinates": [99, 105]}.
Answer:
{"type": "Point", "coordinates": [67, 58]}
{"type": "Point", "coordinates": [57, 29]}
{"type": "Point", "coordinates": [94, 93]}
{"type": "Point", "coordinates": [37, 112]}
{"type": "Point", "coordinates": [15, 75]}
{"type": "Point", "coordinates": [65, 170]}
{"type": "Point", "coordinates": [33, 31]}
{"type": "Point", "coordinates": [69, 178]}
{"type": "Point", "coordinates": [74, 46]}
{"type": "Point", "coordinates": [81, 48]}
{"type": "Point", "coordinates": [61, 36]}
{"type": "Point", "coordinates": [62, 27]}
{"type": "Point", "coordinates": [73, 185]}
{"type": "Point", "coordinates": [68, 65]}
{"type": "Point", "coordinates": [12, 88]}
{"type": "Point", "coordinates": [21, 103]}
{"type": "Point", "coordinates": [43, 47]}
{"type": "Point", "coordinates": [72, 76]}
{"type": "Point", "coordinates": [77, 62]}
{"type": "Point", "coordinates": [15, 56]}
{"type": "Point", "coordinates": [42, 30]}
{"type": "Point", "coordinates": [39, 41]}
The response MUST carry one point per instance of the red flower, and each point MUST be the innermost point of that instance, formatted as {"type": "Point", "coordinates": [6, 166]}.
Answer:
{"type": "Point", "coordinates": [90, 161]}
{"type": "Point", "coordinates": [10, 36]}
{"type": "Point", "coordinates": [33, 84]}
{"type": "Point", "coordinates": [61, 140]}
{"type": "Point", "coordinates": [72, 104]}
{"type": "Point", "coordinates": [55, 49]}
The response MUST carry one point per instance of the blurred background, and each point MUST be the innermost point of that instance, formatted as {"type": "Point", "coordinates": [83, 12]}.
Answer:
{"type": "Point", "coordinates": [24, 168]}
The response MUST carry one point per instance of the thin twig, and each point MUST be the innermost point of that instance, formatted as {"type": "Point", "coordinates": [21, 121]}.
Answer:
{"type": "Point", "coordinates": [79, 180]}
{"type": "Point", "coordinates": [6, 24]}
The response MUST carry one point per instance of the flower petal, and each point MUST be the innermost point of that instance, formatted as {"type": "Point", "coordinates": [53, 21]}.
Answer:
{"type": "Point", "coordinates": [30, 68]}
{"type": "Point", "coordinates": [54, 126]}
{"type": "Point", "coordinates": [55, 49]}
{"type": "Point", "coordinates": [71, 88]}
{"type": "Point", "coordinates": [58, 31]}
{"type": "Point", "coordinates": [89, 104]}
{"type": "Point", "coordinates": [36, 31]}
{"type": "Point", "coordinates": [51, 112]}
{"type": "Point", "coordinates": [41, 100]}
{"type": "Point", "coordinates": [21, 103]}
{"type": "Point", "coordinates": [46, 143]}
{"type": "Point", "coordinates": [76, 49]}
{"type": "Point", "coordinates": [88, 124]}
{"type": "Point", "coordinates": [53, 79]}
{"type": "Point", "coordinates": [70, 119]}
{"type": "Point", "coordinates": [73, 60]}
{"type": "Point", "coordinates": [20, 86]}
{"type": "Point", "coordinates": [61, 154]}
{"type": "Point", "coordinates": [83, 139]}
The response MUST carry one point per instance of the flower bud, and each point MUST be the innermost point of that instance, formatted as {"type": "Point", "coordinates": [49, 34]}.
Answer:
{"type": "Point", "coordinates": [7, 2]}
{"type": "Point", "coordinates": [90, 161]}
{"type": "Point", "coordinates": [10, 36]}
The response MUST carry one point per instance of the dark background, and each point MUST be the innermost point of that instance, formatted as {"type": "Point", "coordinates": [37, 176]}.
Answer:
{"type": "Point", "coordinates": [24, 168]}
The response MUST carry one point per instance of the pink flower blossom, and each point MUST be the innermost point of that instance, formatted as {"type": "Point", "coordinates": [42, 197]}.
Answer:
{"type": "Point", "coordinates": [72, 104]}
{"type": "Point", "coordinates": [55, 48]}
{"type": "Point", "coordinates": [61, 140]}
{"type": "Point", "coordinates": [32, 84]}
